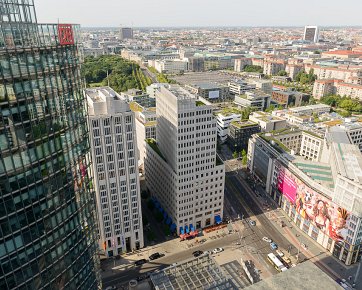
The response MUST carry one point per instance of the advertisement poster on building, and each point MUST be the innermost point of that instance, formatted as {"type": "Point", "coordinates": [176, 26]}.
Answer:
{"type": "Point", "coordinates": [312, 206]}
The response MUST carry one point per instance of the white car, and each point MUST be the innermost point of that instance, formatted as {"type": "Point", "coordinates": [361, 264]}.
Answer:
{"type": "Point", "coordinates": [280, 253]}
{"type": "Point", "coordinates": [217, 250]}
{"type": "Point", "coordinates": [266, 239]}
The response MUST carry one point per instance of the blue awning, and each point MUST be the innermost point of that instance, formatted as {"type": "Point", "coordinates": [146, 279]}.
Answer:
{"type": "Point", "coordinates": [187, 229]}
{"type": "Point", "coordinates": [218, 219]}
{"type": "Point", "coordinates": [173, 228]}
{"type": "Point", "coordinates": [168, 221]}
{"type": "Point", "coordinates": [182, 230]}
{"type": "Point", "coordinates": [191, 228]}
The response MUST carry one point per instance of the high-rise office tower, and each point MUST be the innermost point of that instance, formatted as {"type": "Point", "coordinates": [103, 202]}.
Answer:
{"type": "Point", "coordinates": [311, 33]}
{"type": "Point", "coordinates": [182, 170]}
{"type": "Point", "coordinates": [126, 33]}
{"type": "Point", "coordinates": [116, 177]}
{"type": "Point", "coordinates": [47, 208]}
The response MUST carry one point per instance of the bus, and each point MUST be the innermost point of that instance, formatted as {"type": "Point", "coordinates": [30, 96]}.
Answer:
{"type": "Point", "coordinates": [278, 265]}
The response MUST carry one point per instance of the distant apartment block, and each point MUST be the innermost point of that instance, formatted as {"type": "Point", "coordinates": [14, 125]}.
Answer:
{"type": "Point", "coordinates": [342, 54]}
{"type": "Point", "coordinates": [126, 33]}
{"type": "Point", "coordinates": [116, 177]}
{"type": "Point", "coordinates": [327, 87]}
{"type": "Point", "coordinates": [311, 33]}
{"type": "Point", "coordinates": [182, 170]}
{"type": "Point", "coordinates": [273, 66]}
{"type": "Point", "coordinates": [169, 66]}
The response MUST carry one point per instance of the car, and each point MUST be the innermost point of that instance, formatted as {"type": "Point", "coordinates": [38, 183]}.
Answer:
{"type": "Point", "coordinates": [207, 253]}
{"type": "Point", "coordinates": [140, 262]}
{"type": "Point", "coordinates": [155, 256]}
{"type": "Point", "coordinates": [217, 250]}
{"type": "Point", "coordinates": [252, 223]}
{"type": "Point", "coordinates": [273, 246]}
{"type": "Point", "coordinates": [266, 239]}
{"type": "Point", "coordinates": [280, 253]}
{"type": "Point", "coordinates": [197, 253]}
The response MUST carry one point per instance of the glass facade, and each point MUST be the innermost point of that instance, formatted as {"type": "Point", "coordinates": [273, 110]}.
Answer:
{"type": "Point", "coordinates": [48, 234]}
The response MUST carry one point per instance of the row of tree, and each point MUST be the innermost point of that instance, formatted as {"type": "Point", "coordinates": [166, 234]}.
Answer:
{"type": "Point", "coordinates": [344, 103]}
{"type": "Point", "coordinates": [253, 68]}
{"type": "Point", "coordinates": [122, 74]}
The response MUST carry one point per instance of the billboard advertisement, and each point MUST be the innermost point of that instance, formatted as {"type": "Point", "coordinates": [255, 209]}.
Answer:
{"type": "Point", "coordinates": [214, 94]}
{"type": "Point", "coordinates": [319, 210]}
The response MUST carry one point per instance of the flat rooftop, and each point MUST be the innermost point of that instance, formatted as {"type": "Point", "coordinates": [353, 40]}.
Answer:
{"type": "Point", "coordinates": [244, 123]}
{"type": "Point", "coordinates": [100, 94]}
{"type": "Point", "coordinates": [306, 276]}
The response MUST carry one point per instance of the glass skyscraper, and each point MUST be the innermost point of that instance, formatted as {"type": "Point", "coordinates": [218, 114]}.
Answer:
{"type": "Point", "coordinates": [48, 237]}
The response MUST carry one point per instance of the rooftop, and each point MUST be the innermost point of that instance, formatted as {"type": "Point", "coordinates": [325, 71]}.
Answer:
{"type": "Point", "coordinates": [243, 124]}
{"type": "Point", "coordinates": [198, 273]}
{"type": "Point", "coordinates": [305, 275]}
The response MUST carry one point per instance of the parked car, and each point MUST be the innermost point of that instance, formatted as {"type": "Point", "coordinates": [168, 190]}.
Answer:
{"type": "Point", "coordinates": [197, 253]}
{"type": "Point", "coordinates": [155, 256]}
{"type": "Point", "coordinates": [140, 262]}
{"type": "Point", "coordinates": [217, 250]}
{"type": "Point", "coordinates": [207, 252]}
{"type": "Point", "coordinates": [273, 246]}
{"type": "Point", "coordinates": [280, 253]}
{"type": "Point", "coordinates": [266, 239]}
{"type": "Point", "coordinates": [252, 223]}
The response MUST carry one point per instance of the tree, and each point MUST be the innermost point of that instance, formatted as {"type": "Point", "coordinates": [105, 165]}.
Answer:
{"type": "Point", "coordinates": [244, 161]}
{"type": "Point", "coordinates": [282, 73]}
{"type": "Point", "coordinates": [235, 155]}
{"type": "Point", "coordinates": [271, 108]}
{"type": "Point", "coordinates": [253, 68]}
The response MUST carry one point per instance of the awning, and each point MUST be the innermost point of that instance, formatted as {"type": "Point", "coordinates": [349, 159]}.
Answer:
{"type": "Point", "coordinates": [182, 230]}
{"type": "Point", "coordinates": [165, 215]}
{"type": "Point", "coordinates": [172, 227]}
{"type": "Point", "coordinates": [218, 219]}
{"type": "Point", "coordinates": [187, 229]}
{"type": "Point", "coordinates": [191, 228]}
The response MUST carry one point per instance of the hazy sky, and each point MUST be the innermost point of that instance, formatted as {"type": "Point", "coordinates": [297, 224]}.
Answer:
{"type": "Point", "coordinates": [201, 12]}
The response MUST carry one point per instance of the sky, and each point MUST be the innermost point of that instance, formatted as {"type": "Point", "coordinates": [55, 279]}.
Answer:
{"type": "Point", "coordinates": [171, 13]}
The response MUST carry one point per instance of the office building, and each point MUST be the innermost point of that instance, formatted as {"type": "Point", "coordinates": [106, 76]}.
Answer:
{"type": "Point", "coordinates": [317, 182]}
{"type": "Point", "coordinates": [182, 170]}
{"type": "Point", "coordinates": [239, 87]}
{"type": "Point", "coordinates": [47, 210]}
{"type": "Point", "coordinates": [311, 33]}
{"type": "Point", "coordinates": [116, 177]}
{"type": "Point", "coordinates": [289, 98]}
{"type": "Point", "coordinates": [239, 134]}
{"type": "Point", "coordinates": [212, 92]}
{"type": "Point", "coordinates": [126, 33]}
{"type": "Point", "coordinates": [224, 120]}
{"type": "Point", "coordinates": [254, 99]}
{"type": "Point", "coordinates": [170, 66]}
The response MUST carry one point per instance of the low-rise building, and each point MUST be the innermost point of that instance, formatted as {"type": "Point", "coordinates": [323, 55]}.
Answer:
{"type": "Point", "coordinates": [289, 98]}
{"type": "Point", "coordinates": [239, 134]}
{"type": "Point", "coordinates": [255, 99]}
{"type": "Point", "coordinates": [224, 120]}
{"type": "Point", "coordinates": [212, 92]}
{"type": "Point", "coordinates": [311, 109]}
{"type": "Point", "coordinates": [239, 87]}
{"type": "Point", "coordinates": [267, 121]}
{"type": "Point", "coordinates": [263, 85]}
{"type": "Point", "coordinates": [170, 66]}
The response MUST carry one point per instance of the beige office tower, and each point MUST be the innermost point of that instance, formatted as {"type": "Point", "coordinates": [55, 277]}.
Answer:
{"type": "Point", "coordinates": [182, 170]}
{"type": "Point", "coordinates": [114, 153]}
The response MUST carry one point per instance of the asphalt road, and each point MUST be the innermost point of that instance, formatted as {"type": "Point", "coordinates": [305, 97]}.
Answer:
{"type": "Point", "coordinates": [134, 271]}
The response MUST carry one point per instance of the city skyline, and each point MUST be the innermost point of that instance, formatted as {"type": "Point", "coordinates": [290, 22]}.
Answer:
{"type": "Point", "coordinates": [145, 14]}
